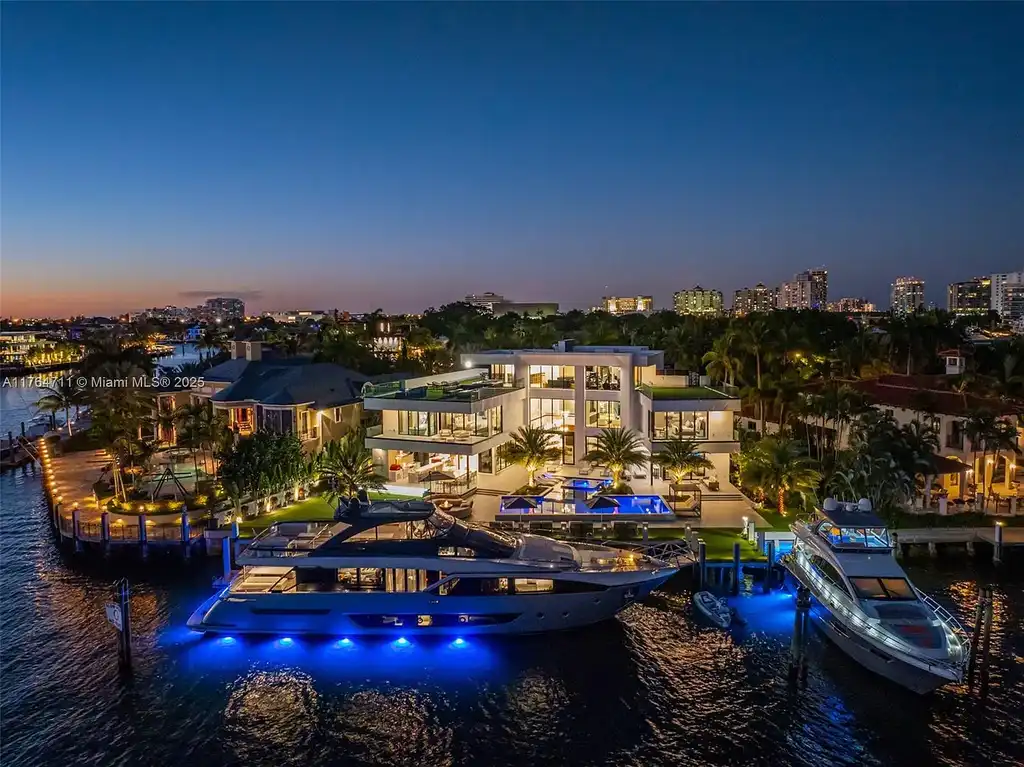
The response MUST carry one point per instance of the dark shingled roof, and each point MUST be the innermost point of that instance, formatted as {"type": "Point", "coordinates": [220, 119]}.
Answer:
{"type": "Point", "coordinates": [323, 384]}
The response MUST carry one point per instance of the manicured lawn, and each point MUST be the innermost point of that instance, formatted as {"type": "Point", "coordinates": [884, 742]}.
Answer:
{"type": "Point", "coordinates": [719, 542]}
{"type": "Point", "coordinates": [311, 509]}
{"type": "Point", "coordinates": [775, 520]}
{"type": "Point", "coordinates": [682, 392]}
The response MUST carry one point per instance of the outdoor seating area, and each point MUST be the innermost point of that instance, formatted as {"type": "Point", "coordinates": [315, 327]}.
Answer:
{"type": "Point", "coordinates": [464, 390]}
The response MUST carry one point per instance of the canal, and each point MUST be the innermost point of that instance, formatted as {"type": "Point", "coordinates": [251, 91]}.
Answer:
{"type": "Point", "coordinates": [652, 688]}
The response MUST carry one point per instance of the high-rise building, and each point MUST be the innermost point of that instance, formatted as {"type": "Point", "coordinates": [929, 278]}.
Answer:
{"type": "Point", "coordinates": [796, 294]}
{"type": "Point", "coordinates": [851, 305]}
{"type": "Point", "coordinates": [756, 299]}
{"type": "Point", "coordinates": [970, 297]}
{"type": "Point", "coordinates": [485, 301]}
{"type": "Point", "coordinates": [819, 286]}
{"type": "Point", "coordinates": [698, 300]}
{"type": "Point", "coordinates": [1000, 284]}
{"type": "Point", "coordinates": [221, 309]}
{"type": "Point", "coordinates": [907, 295]}
{"type": "Point", "coordinates": [627, 305]}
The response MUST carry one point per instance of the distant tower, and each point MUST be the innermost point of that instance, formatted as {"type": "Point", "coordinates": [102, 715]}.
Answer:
{"type": "Point", "coordinates": [907, 295]}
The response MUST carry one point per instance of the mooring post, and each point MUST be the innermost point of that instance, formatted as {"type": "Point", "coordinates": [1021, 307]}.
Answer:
{"type": "Point", "coordinates": [105, 532]}
{"type": "Point", "coordinates": [74, 529]}
{"type": "Point", "coordinates": [997, 549]}
{"type": "Point", "coordinates": [933, 549]}
{"type": "Point", "coordinates": [225, 550]}
{"type": "Point", "coordinates": [644, 531]}
{"type": "Point", "coordinates": [979, 617]}
{"type": "Point", "coordinates": [770, 572]}
{"type": "Point", "coordinates": [752, 531]}
{"type": "Point", "coordinates": [143, 537]}
{"type": "Point", "coordinates": [234, 537]}
{"type": "Point", "coordinates": [124, 646]}
{"type": "Point", "coordinates": [736, 568]}
{"type": "Point", "coordinates": [797, 663]}
{"type": "Point", "coordinates": [896, 546]}
{"type": "Point", "coordinates": [702, 563]}
{"type": "Point", "coordinates": [185, 542]}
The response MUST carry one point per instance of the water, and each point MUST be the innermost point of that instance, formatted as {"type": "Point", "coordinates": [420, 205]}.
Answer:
{"type": "Point", "coordinates": [653, 688]}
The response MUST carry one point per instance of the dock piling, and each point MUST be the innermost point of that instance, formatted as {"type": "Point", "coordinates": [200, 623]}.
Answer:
{"type": "Point", "coordinates": [896, 551]}
{"type": "Point", "coordinates": [736, 568]}
{"type": "Point", "coordinates": [185, 535]}
{"type": "Point", "coordinates": [770, 572]}
{"type": "Point", "coordinates": [105, 532]}
{"type": "Point", "coordinates": [143, 537]}
{"type": "Point", "coordinates": [797, 659]}
{"type": "Point", "coordinates": [644, 529]}
{"type": "Point", "coordinates": [997, 548]}
{"type": "Point", "coordinates": [702, 561]}
{"type": "Point", "coordinates": [74, 529]}
{"type": "Point", "coordinates": [225, 550]}
{"type": "Point", "coordinates": [124, 638]}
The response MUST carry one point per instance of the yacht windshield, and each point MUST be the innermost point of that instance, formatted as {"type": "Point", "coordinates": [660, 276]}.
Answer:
{"type": "Point", "coordinates": [883, 588]}
{"type": "Point", "coordinates": [855, 537]}
{"type": "Point", "coordinates": [490, 543]}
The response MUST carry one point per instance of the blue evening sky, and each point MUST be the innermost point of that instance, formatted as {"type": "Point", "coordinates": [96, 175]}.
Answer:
{"type": "Point", "coordinates": [401, 155]}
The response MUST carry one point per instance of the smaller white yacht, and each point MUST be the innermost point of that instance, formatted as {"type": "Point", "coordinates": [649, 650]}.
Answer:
{"type": "Point", "coordinates": [409, 569]}
{"type": "Point", "coordinates": [864, 602]}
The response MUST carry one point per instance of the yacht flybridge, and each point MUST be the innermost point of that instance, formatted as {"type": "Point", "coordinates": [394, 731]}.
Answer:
{"type": "Point", "coordinates": [865, 603]}
{"type": "Point", "coordinates": [408, 568]}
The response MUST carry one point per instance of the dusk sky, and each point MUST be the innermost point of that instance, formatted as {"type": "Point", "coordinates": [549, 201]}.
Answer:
{"type": "Point", "coordinates": [403, 155]}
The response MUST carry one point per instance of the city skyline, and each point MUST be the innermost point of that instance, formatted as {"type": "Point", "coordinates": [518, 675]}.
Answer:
{"type": "Point", "coordinates": [415, 154]}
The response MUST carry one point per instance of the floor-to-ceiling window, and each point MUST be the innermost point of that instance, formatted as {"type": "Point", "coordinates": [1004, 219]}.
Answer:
{"type": "Point", "coordinates": [416, 423]}
{"type": "Point", "coordinates": [689, 425]}
{"type": "Point", "coordinates": [603, 377]}
{"type": "Point", "coordinates": [503, 456]}
{"type": "Point", "coordinates": [504, 373]}
{"type": "Point", "coordinates": [553, 376]}
{"type": "Point", "coordinates": [553, 414]}
{"type": "Point", "coordinates": [604, 415]}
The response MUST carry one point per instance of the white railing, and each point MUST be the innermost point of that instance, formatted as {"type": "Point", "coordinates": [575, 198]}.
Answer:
{"type": "Point", "coordinates": [834, 595]}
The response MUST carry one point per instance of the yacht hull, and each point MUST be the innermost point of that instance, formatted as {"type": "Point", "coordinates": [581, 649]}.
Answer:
{"type": "Point", "coordinates": [871, 657]}
{"type": "Point", "coordinates": [359, 613]}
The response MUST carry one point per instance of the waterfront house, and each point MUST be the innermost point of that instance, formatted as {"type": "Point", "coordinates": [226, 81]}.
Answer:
{"type": "Point", "coordinates": [460, 424]}
{"type": "Point", "coordinates": [317, 401]}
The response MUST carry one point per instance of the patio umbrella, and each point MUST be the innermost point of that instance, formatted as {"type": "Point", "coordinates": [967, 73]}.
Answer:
{"type": "Point", "coordinates": [602, 502]}
{"type": "Point", "coordinates": [521, 502]}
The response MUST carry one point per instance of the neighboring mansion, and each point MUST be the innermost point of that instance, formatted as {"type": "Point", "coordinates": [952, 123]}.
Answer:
{"type": "Point", "coordinates": [317, 401]}
{"type": "Point", "coordinates": [447, 429]}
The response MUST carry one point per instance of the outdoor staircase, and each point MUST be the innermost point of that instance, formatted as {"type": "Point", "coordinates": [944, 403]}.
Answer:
{"type": "Point", "coordinates": [708, 497]}
{"type": "Point", "coordinates": [494, 493]}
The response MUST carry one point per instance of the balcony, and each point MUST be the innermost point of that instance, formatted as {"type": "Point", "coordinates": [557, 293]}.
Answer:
{"type": "Point", "coordinates": [683, 392]}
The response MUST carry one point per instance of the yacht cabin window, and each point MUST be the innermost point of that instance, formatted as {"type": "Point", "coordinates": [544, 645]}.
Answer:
{"type": "Point", "coordinates": [883, 588]}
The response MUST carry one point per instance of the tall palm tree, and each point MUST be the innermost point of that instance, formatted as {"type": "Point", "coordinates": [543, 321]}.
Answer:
{"type": "Point", "coordinates": [619, 450]}
{"type": "Point", "coordinates": [531, 447]}
{"type": "Point", "coordinates": [679, 457]}
{"type": "Point", "coordinates": [777, 466]}
{"type": "Point", "coordinates": [720, 361]}
{"type": "Point", "coordinates": [63, 394]}
{"type": "Point", "coordinates": [347, 464]}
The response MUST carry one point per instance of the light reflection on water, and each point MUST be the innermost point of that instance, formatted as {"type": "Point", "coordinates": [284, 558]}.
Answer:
{"type": "Point", "coordinates": [655, 688]}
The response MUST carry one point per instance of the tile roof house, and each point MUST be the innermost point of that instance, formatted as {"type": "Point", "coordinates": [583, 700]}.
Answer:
{"type": "Point", "coordinates": [318, 401]}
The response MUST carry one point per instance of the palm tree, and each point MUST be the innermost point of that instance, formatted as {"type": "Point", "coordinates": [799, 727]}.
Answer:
{"type": "Point", "coordinates": [679, 457]}
{"type": "Point", "coordinates": [61, 395]}
{"type": "Point", "coordinates": [532, 447]}
{"type": "Point", "coordinates": [777, 466]}
{"type": "Point", "coordinates": [619, 450]}
{"type": "Point", "coordinates": [720, 362]}
{"type": "Point", "coordinates": [347, 464]}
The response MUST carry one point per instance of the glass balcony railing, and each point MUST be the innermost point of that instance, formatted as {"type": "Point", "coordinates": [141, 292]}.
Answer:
{"type": "Point", "coordinates": [474, 390]}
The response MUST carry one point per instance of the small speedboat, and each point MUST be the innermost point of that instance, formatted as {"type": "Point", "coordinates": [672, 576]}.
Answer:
{"type": "Point", "coordinates": [714, 609]}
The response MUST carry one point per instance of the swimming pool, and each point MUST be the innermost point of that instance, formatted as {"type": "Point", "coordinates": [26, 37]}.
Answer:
{"type": "Point", "coordinates": [629, 505]}
{"type": "Point", "coordinates": [584, 483]}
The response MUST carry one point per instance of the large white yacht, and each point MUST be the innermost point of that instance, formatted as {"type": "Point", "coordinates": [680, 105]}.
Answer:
{"type": "Point", "coordinates": [407, 568]}
{"type": "Point", "coordinates": [864, 602]}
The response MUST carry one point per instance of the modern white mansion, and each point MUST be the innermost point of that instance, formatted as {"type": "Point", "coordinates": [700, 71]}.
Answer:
{"type": "Point", "coordinates": [458, 425]}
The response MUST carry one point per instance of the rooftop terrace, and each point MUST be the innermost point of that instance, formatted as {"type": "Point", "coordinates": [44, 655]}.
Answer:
{"type": "Point", "coordinates": [683, 392]}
